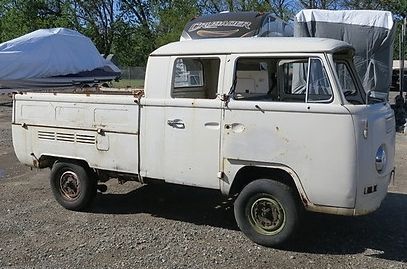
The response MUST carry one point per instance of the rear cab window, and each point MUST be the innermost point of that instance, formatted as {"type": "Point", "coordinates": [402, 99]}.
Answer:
{"type": "Point", "coordinates": [195, 78]}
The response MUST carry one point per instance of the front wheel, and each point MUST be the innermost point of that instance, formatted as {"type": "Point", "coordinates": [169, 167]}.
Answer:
{"type": "Point", "coordinates": [267, 212]}
{"type": "Point", "coordinates": [71, 185]}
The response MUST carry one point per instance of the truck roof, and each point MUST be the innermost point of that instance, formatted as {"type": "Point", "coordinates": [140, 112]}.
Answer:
{"type": "Point", "coordinates": [251, 45]}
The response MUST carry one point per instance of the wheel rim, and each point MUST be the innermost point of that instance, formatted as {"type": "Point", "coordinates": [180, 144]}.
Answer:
{"type": "Point", "coordinates": [267, 216]}
{"type": "Point", "coordinates": [69, 185]}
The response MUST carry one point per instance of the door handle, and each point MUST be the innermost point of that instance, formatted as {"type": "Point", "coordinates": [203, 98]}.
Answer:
{"type": "Point", "coordinates": [177, 123]}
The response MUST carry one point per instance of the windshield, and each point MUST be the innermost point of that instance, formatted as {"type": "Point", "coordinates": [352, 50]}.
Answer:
{"type": "Point", "coordinates": [348, 82]}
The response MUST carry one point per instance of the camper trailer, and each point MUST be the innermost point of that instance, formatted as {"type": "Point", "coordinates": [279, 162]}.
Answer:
{"type": "Point", "coordinates": [236, 24]}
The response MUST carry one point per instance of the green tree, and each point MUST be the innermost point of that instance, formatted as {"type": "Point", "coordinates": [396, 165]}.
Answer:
{"type": "Point", "coordinates": [97, 19]}
{"type": "Point", "coordinates": [19, 17]}
{"type": "Point", "coordinates": [132, 45]}
{"type": "Point", "coordinates": [172, 16]}
{"type": "Point", "coordinates": [284, 9]}
{"type": "Point", "coordinates": [138, 28]}
{"type": "Point", "coordinates": [215, 6]}
{"type": "Point", "coordinates": [320, 4]}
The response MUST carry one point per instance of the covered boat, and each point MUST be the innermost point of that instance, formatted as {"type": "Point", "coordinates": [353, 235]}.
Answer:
{"type": "Point", "coordinates": [50, 58]}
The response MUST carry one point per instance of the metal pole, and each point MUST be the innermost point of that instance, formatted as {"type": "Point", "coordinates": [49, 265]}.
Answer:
{"type": "Point", "coordinates": [400, 63]}
{"type": "Point", "coordinates": [402, 41]}
{"type": "Point", "coordinates": [401, 69]}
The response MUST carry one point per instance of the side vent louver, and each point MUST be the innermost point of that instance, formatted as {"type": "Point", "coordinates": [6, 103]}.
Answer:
{"type": "Point", "coordinates": [67, 137]}
{"type": "Point", "coordinates": [85, 139]}
{"type": "Point", "coordinates": [44, 135]}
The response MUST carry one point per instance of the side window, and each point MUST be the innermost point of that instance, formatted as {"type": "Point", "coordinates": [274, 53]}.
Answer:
{"type": "Point", "coordinates": [319, 88]}
{"type": "Point", "coordinates": [293, 80]}
{"type": "Point", "coordinates": [304, 80]}
{"type": "Point", "coordinates": [348, 82]}
{"type": "Point", "coordinates": [255, 79]}
{"type": "Point", "coordinates": [345, 78]}
{"type": "Point", "coordinates": [188, 73]}
{"type": "Point", "coordinates": [281, 80]}
{"type": "Point", "coordinates": [195, 78]}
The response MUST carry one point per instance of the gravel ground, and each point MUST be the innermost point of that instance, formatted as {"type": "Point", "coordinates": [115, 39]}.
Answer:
{"type": "Point", "coordinates": [165, 226]}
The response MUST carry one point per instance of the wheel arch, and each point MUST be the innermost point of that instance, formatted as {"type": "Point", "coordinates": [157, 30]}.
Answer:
{"type": "Point", "coordinates": [248, 173]}
{"type": "Point", "coordinates": [49, 160]}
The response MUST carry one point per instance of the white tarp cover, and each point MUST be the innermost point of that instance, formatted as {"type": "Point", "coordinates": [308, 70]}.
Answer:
{"type": "Point", "coordinates": [48, 53]}
{"type": "Point", "coordinates": [372, 18]}
{"type": "Point", "coordinates": [370, 32]}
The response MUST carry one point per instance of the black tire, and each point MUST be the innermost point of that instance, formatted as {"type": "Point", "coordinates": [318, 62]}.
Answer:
{"type": "Point", "coordinates": [72, 186]}
{"type": "Point", "coordinates": [267, 212]}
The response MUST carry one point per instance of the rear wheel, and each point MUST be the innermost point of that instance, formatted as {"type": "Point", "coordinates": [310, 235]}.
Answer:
{"type": "Point", "coordinates": [71, 185]}
{"type": "Point", "coordinates": [267, 212]}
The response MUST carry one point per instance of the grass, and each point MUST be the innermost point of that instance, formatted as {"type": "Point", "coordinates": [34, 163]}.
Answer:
{"type": "Point", "coordinates": [129, 83]}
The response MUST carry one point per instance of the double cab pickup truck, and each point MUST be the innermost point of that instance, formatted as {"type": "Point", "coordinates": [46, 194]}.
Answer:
{"type": "Point", "coordinates": [281, 125]}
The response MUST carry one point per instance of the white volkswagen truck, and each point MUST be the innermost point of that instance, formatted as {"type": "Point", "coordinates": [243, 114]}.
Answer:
{"type": "Point", "coordinates": [281, 125]}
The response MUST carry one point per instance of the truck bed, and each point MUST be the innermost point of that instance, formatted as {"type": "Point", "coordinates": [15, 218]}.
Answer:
{"type": "Point", "coordinates": [99, 127]}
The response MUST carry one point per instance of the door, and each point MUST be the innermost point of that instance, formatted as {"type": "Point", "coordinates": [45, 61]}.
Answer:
{"type": "Point", "coordinates": [290, 118]}
{"type": "Point", "coordinates": [192, 122]}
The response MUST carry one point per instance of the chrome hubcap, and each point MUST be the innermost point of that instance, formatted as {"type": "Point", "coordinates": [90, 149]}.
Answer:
{"type": "Point", "coordinates": [70, 185]}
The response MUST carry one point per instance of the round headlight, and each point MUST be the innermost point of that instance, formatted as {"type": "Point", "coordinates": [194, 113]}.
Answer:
{"type": "Point", "coordinates": [381, 159]}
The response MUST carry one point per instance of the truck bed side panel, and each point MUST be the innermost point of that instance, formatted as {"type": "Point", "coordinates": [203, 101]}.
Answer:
{"type": "Point", "coordinates": [100, 129]}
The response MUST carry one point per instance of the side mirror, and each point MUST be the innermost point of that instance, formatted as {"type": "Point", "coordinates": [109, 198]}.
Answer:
{"type": "Point", "coordinates": [376, 97]}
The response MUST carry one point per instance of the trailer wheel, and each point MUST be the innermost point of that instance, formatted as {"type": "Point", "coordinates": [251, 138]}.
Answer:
{"type": "Point", "coordinates": [267, 212]}
{"type": "Point", "coordinates": [71, 185]}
